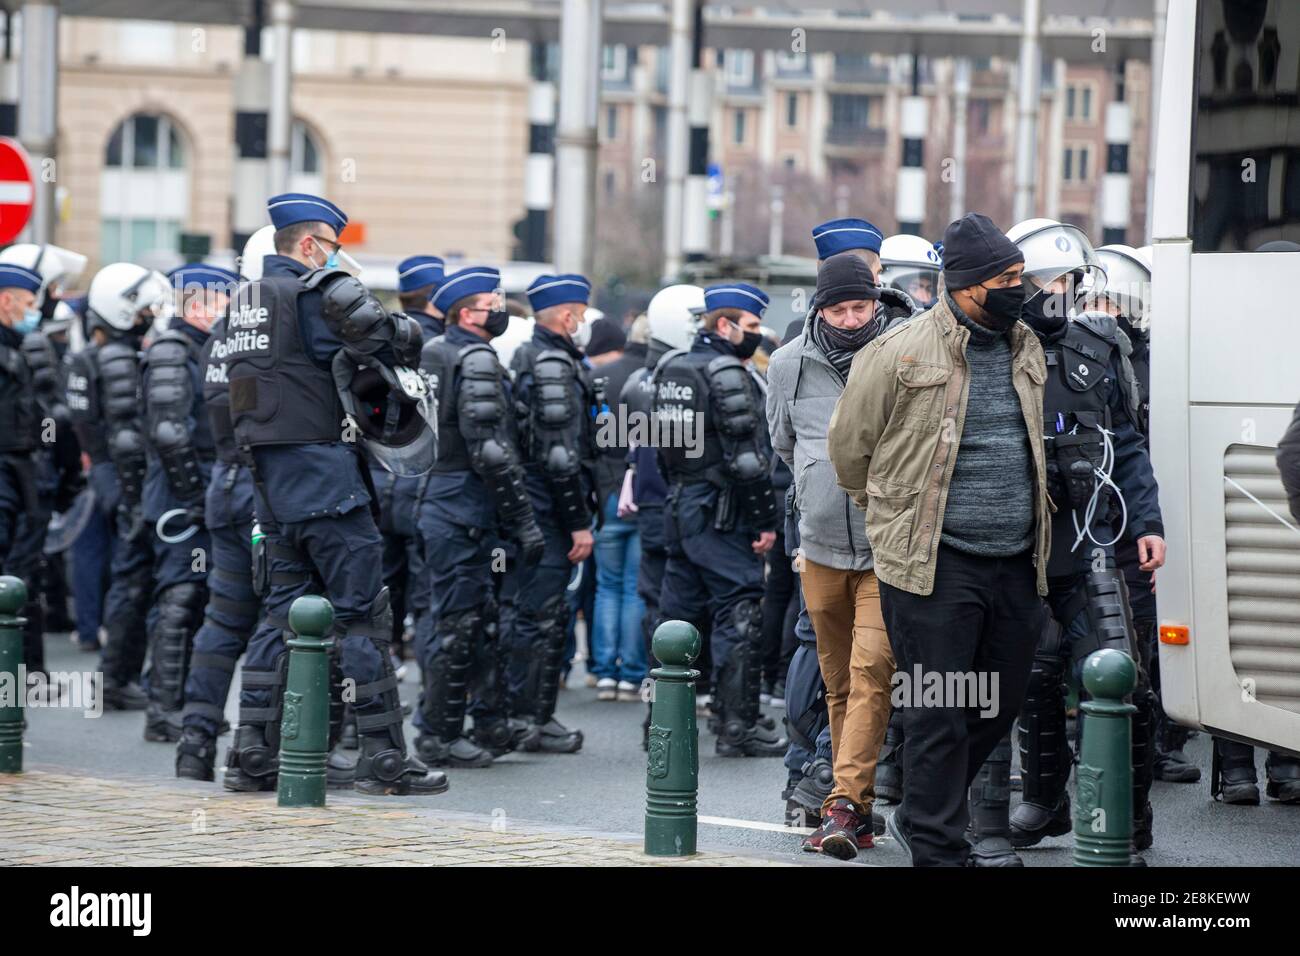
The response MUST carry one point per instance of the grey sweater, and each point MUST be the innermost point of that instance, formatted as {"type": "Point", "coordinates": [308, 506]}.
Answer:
{"type": "Point", "coordinates": [990, 509]}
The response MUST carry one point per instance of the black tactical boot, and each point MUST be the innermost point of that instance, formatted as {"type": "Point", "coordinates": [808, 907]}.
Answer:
{"type": "Point", "coordinates": [889, 768]}
{"type": "Point", "coordinates": [196, 755]}
{"type": "Point", "coordinates": [437, 752]}
{"type": "Point", "coordinates": [803, 807]}
{"type": "Point", "coordinates": [1030, 823]}
{"type": "Point", "coordinates": [340, 772]}
{"type": "Point", "coordinates": [756, 740]}
{"type": "Point", "coordinates": [162, 726]}
{"type": "Point", "coordinates": [1142, 823]}
{"type": "Point", "coordinates": [551, 737]}
{"type": "Point", "coordinates": [1232, 773]}
{"type": "Point", "coordinates": [251, 764]}
{"type": "Point", "coordinates": [990, 802]}
{"type": "Point", "coordinates": [1283, 775]}
{"type": "Point", "coordinates": [385, 770]}
{"type": "Point", "coordinates": [128, 696]}
{"type": "Point", "coordinates": [1171, 764]}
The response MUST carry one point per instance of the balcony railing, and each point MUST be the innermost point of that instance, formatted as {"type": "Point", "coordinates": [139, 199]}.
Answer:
{"type": "Point", "coordinates": [857, 136]}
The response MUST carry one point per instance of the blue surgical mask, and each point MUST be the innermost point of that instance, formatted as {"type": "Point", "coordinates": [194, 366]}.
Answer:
{"type": "Point", "coordinates": [29, 322]}
{"type": "Point", "coordinates": [331, 259]}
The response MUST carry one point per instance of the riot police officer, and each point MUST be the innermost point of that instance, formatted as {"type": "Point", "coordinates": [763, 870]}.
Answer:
{"type": "Point", "coordinates": [307, 348]}
{"type": "Point", "coordinates": [181, 455]}
{"type": "Point", "coordinates": [24, 490]}
{"type": "Point", "coordinates": [475, 490]}
{"type": "Point", "coordinates": [1097, 460]}
{"type": "Point", "coordinates": [556, 401]}
{"type": "Point", "coordinates": [720, 515]}
{"type": "Point", "coordinates": [104, 400]}
{"type": "Point", "coordinates": [911, 265]}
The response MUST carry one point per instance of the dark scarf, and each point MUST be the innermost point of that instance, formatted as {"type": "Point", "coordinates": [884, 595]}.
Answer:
{"type": "Point", "coordinates": [840, 345]}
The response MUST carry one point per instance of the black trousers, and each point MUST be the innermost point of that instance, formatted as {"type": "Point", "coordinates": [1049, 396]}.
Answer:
{"type": "Point", "coordinates": [983, 618]}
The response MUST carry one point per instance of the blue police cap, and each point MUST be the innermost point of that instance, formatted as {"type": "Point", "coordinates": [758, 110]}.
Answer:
{"type": "Point", "coordinates": [468, 281]}
{"type": "Point", "coordinates": [841, 235]}
{"type": "Point", "coordinates": [548, 290]}
{"type": "Point", "coordinates": [416, 272]}
{"type": "Point", "coordinates": [198, 274]}
{"type": "Point", "coordinates": [20, 277]}
{"type": "Point", "coordinates": [735, 295]}
{"type": "Point", "coordinates": [289, 208]}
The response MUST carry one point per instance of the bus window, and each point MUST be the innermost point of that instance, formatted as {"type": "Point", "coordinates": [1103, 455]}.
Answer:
{"type": "Point", "coordinates": [1246, 133]}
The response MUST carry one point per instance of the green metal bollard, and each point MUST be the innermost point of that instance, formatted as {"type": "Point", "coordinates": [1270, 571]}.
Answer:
{"type": "Point", "coordinates": [13, 686]}
{"type": "Point", "coordinates": [1103, 811]}
{"type": "Point", "coordinates": [304, 726]}
{"type": "Point", "coordinates": [673, 766]}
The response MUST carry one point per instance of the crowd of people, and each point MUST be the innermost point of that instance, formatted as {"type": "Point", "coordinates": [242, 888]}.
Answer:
{"type": "Point", "coordinates": [937, 477]}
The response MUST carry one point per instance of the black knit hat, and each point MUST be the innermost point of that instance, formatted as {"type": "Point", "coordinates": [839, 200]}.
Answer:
{"type": "Point", "coordinates": [606, 336]}
{"type": "Point", "coordinates": [844, 277]}
{"type": "Point", "coordinates": [975, 250]}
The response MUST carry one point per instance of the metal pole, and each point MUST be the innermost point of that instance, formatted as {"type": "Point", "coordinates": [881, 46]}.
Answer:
{"type": "Point", "coordinates": [8, 81]}
{"type": "Point", "coordinates": [1027, 111]}
{"type": "Point", "coordinates": [305, 723]}
{"type": "Point", "coordinates": [13, 597]}
{"type": "Point", "coordinates": [38, 109]}
{"type": "Point", "coordinates": [575, 140]}
{"type": "Point", "coordinates": [280, 117]}
{"type": "Point", "coordinates": [695, 197]}
{"type": "Point", "coordinates": [1055, 143]}
{"type": "Point", "coordinates": [909, 200]}
{"type": "Point", "coordinates": [960, 107]}
{"type": "Point", "coordinates": [1103, 811]}
{"type": "Point", "coordinates": [1159, 16]}
{"type": "Point", "coordinates": [539, 174]}
{"type": "Point", "coordinates": [679, 80]}
{"type": "Point", "coordinates": [673, 751]}
{"type": "Point", "coordinates": [252, 97]}
{"type": "Point", "coordinates": [1116, 188]}
{"type": "Point", "coordinates": [776, 224]}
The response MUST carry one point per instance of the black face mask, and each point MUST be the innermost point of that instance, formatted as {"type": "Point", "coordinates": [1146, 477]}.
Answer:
{"type": "Point", "coordinates": [1002, 307]}
{"type": "Point", "coordinates": [496, 323]}
{"type": "Point", "coordinates": [749, 343]}
{"type": "Point", "coordinates": [1046, 312]}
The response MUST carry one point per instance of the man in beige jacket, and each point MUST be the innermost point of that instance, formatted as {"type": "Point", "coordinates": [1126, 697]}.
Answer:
{"type": "Point", "coordinates": [938, 438]}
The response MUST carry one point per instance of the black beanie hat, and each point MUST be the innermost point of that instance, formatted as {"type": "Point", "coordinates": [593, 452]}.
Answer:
{"type": "Point", "coordinates": [606, 336]}
{"type": "Point", "coordinates": [843, 277]}
{"type": "Point", "coordinates": [975, 250]}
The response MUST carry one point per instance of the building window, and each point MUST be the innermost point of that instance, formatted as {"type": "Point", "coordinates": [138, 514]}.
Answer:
{"type": "Point", "coordinates": [739, 67]}
{"type": "Point", "coordinates": [144, 189]}
{"type": "Point", "coordinates": [792, 110]}
{"type": "Point", "coordinates": [791, 163]}
{"type": "Point", "coordinates": [613, 65]}
{"type": "Point", "coordinates": [788, 62]}
{"type": "Point", "coordinates": [306, 161]}
{"type": "Point", "coordinates": [1075, 164]}
{"type": "Point", "coordinates": [611, 123]}
{"type": "Point", "coordinates": [610, 183]}
{"type": "Point", "coordinates": [980, 111]}
{"type": "Point", "coordinates": [855, 110]}
{"type": "Point", "coordinates": [1078, 102]}
{"type": "Point", "coordinates": [738, 128]}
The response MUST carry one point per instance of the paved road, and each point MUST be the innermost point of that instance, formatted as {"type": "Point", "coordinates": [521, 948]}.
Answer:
{"type": "Point", "coordinates": [602, 788]}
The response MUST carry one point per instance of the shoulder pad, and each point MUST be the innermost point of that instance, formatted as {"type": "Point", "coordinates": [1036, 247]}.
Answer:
{"type": "Point", "coordinates": [37, 349]}
{"type": "Point", "coordinates": [113, 351]}
{"type": "Point", "coordinates": [319, 278]}
{"type": "Point", "coordinates": [170, 348]}
{"type": "Point", "coordinates": [479, 359]}
{"type": "Point", "coordinates": [1125, 343]}
{"type": "Point", "coordinates": [722, 363]}
{"type": "Point", "coordinates": [1100, 324]}
{"type": "Point", "coordinates": [554, 361]}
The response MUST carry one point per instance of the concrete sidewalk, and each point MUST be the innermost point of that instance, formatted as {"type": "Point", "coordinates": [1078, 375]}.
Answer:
{"type": "Point", "coordinates": [54, 818]}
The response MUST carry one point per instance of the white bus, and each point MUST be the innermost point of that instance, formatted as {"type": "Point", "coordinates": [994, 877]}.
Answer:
{"type": "Point", "coordinates": [1225, 366]}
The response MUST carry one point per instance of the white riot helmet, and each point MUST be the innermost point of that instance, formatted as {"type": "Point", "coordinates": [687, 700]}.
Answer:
{"type": "Point", "coordinates": [912, 265]}
{"type": "Point", "coordinates": [259, 245]}
{"type": "Point", "coordinates": [673, 315]}
{"type": "Point", "coordinates": [124, 296]}
{"type": "Point", "coordinates": [1054, 249]}
{"type": "Point", "coordinates": [59, 268]}
{"type": "Point", "coordinates": [1128, 281]}
{"type": "Point", "coordinates": [519, 331]}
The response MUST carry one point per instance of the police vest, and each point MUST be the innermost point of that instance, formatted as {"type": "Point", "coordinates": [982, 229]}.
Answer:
{"type": "Point", "coordinates": [216, 397]}
{"type": "Point", "coordinates": [441, 361]}
{"type": "Point", "coordinates": [20, 412]}
{"type": "Point", "coordinates": [681, 426]}
{"type": "Point", "coordinates": [278, 394]}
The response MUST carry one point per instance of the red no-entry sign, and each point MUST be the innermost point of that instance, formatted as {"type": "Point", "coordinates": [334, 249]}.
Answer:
{"type": "Point", "coordinates": [17, 189]}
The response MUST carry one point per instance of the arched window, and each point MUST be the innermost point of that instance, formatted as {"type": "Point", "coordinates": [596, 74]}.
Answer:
{"type": "Point", "coordinates": [144, 197]}
{"type": "Point", "coordinates": [306, 161]}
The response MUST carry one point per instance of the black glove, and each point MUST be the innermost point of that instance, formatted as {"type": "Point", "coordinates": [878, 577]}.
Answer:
{"type": "Point", "coordinates": [531, 543]}
{"type": "Point", "coordinates": [196, 513]}
{"type": "Point", "coordinates": [129, 521]}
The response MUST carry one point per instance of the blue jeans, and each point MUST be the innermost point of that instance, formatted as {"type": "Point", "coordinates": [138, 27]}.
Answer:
{"type": "Point", "coordinates": [617, 645]}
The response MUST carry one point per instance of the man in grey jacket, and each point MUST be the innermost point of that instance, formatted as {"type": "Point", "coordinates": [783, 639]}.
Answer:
{"type": "Point", "coordinates": [805, 379]}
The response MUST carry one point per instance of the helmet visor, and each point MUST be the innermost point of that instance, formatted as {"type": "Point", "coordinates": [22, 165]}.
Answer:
{"type": "Point", "coordinates": [921, 284]}
{"type": "Point", "coordinates": [1054, 254]}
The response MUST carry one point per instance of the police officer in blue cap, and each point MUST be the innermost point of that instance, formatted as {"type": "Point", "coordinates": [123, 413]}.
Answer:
{"type": "Point", "coordinates": [294, 339]}
{"type": "Point", "coordinates": [557, 401]}
{"type": "Point", "coordinates": [474, 498]}
{"type": "Point", "coordinates": [721, 512]}
{"type": "Point", "coordinates": [180, 456]}
{"type": "Point", "coordinates": [418, 278]}
{"type": "Point", "coordinates": [24, 485]}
